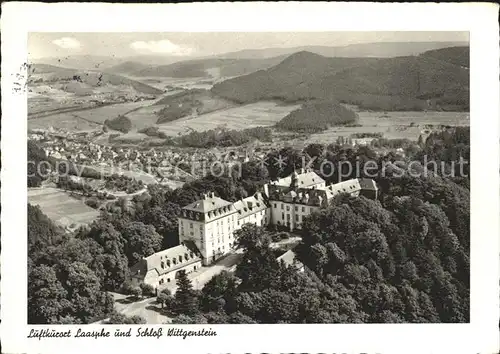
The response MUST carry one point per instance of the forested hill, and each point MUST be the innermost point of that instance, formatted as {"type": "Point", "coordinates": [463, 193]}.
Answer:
{"type": "Point", "coordinates": [454, 55]}
{"type": "Point", "coordinates": [401, 83]}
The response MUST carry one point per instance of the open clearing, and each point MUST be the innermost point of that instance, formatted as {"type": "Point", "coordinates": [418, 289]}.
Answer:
{"type": "Point", "coordinates": [394, 125]}
{"type": "Point", "coordinates": [248, 116]}
{"type": "Point", "coordinates": [61, 207]}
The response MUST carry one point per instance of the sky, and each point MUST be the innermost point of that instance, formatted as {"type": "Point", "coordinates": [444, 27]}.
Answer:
{"type": "Point", "coordinates": [198, 44]}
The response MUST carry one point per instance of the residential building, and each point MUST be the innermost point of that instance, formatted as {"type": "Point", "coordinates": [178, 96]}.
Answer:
{"type": "Point", "coordinates": [161, 268]}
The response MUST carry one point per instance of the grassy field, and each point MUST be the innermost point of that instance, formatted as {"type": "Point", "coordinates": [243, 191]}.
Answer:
{"type": "Point", "coordinates": [395, 125]}
{"type": "Point", "coordinates": [68, 121]}
{"type": "Point", "coordinates": [247, 116]}
{"type": "Point", "coordinates": [61, 207]}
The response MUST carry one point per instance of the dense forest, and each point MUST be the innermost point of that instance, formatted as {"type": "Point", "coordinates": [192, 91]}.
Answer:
{"type": "Point", "coordinates": [401, 258]}
{"type": "Point", "coordinates": [386, 84]}
{"type": "Point", "coordinates": [317, 116]}
{"type": "Point", "coordinates": [221, 137]}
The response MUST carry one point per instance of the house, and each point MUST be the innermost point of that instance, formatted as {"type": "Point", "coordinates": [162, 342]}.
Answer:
{"type": "Point", "coordinates": [161, 268]}
{"type": "Point", "coordinates": [289, 259]}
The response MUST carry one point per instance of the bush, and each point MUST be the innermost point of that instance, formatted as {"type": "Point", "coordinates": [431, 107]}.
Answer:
{"type": "Point", "coordinates": [136, 292]}
{"type": "Point", "coordinates": [147, 289]}
{"type": "Point", "coordinates": [92, 202]}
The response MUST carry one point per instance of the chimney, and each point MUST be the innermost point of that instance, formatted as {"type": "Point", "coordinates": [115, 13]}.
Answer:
{"type": "Point", "coordinates": [212, 195]}
{"type": "Point", "coordinates": [301, 171]}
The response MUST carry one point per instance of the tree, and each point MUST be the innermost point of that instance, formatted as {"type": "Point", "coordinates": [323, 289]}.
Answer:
{"type": "Point", "coordinates": [163, 298]}
{"type": "Point", "coordinates": [147, 289]}
{"type": "Point", "coordinates": [136, 292]}
{"type": "Point", "coordinates": [46, 296]}
{"type": "Point", "coordinates": [185, 299]}
{"type": "Point", "coordinates": [219, 291]}
{"type": "Point", "coordinates": [141, 241]}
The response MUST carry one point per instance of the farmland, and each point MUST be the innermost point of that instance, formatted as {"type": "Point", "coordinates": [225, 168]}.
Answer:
{"type": "Point", "coordinates": [63, 209]}
{"type": "Point", "coordinates": [247, 116]}
{"type": "Point", "coordinates": [395, 125]}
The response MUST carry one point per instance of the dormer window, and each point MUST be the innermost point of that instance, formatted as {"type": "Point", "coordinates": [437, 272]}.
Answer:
{"type": "Point", "coordinates": [174, 260]}
{"type": "Point", "coordinates": [162, 265]}
{"type": "Point", "coordinates": [191, 255]}
{"type": "Point", "coordinates": [180, 259]}
{"type": "Point", "coordinates": [186, 256]}
{"type": "Point", "coordinates": [168, 262]}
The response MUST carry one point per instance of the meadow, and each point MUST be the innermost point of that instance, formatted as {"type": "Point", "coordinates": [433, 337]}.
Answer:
{"type": "Point", "coordinates": [61, 207]}
{"type": "Point", "coordinates": [247, 116]}
{"type": "Point", "coordinates": [395, 125]}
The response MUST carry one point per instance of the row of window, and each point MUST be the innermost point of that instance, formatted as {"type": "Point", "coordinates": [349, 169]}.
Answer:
{"type": "Point", "coordinates": [288, 207]}
{"type": "Point", "coordinates": [162, 280]}
{"type": "Point", "coordinates": [179, 259]}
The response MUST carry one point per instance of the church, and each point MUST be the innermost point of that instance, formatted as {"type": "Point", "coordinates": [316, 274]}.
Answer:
{"type": "Point", "coordinates": [207, 226]}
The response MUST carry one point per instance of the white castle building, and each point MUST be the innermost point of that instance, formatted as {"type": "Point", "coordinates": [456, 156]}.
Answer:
{"type": "Point", "coordinates": [209, 223]}
{"type": "Point", "coordinates": [207, 226]}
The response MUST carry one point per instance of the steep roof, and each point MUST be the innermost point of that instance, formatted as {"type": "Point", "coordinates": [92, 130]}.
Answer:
{"type": "Point", "coordinates": [304, 180]}
{"type": "Point", "coordinates": [289, 258]}
{"type": "Point", "coordinates": [207, 203]}
{"type": "Point", "coordinates": [172, 258]}
{"type": "Point", "coordinates": [250, 205]}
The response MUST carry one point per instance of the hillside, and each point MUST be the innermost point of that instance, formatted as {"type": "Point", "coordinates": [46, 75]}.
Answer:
{"type": "Point", "coordinates": [381, 50]}
{"type": "Point", "coordinates": [84, 82]}
{"type": "Point", "coordinates": [82, 62]}
{"type": "Point", "coordinates": [208, 68]}
{"type": "Point", "coordinates": [316, 117]}
{"type": "Point", "coordinates": [190, 102]}
{"type": "Point", "coordinates": [401, 83]}
{"type": "Point", "coordinates": [127, 67]}
{"type": "Point", "coordinates": [453, 55]}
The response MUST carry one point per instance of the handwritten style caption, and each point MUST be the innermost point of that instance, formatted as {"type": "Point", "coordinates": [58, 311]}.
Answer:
{"type": "Point", "coordinates": [130, 332]}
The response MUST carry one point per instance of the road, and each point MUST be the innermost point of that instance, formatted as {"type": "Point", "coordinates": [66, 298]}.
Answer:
{"type": "Point", "coordinates": [148, 308]}
{"type": "Point", "coordinates": [202, 276]}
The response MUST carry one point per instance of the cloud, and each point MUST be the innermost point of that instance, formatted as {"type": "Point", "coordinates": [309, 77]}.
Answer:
{"type": "Point", "coordinates": [67, 43]}
{"type": "Point", "coordinates": [163, 46]}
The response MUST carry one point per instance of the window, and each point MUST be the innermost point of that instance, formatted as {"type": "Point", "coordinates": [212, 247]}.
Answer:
{"type": "Point", "coordinates": [296, 217]}
{"type": "Point", "coordinates": [303, 209]}
{"type": "Point", "coordinates": [180, 259]}
{"type": "Point", "coordinates": [161, 281]}
{"type": "Point", "coordinates": [282, 207]}
{"type": "Point", "coordinates": [296, 208]}
{"type": "Point", "coordinates": [174, 260]}
{"type": "Point", "coordinates": [191, 233]}
{"type": "Point", "coordinates": [283, 216]}
{"type": "Point", "coordinates": [275, 206]}
{"type": "Point", "coordinates": [162, 265]}
{"type": "Point", "coordinates": [168, 263]}
{"type": "Point", "coordinates": [218, 240]}
{"type": "Point", "coordinates": [287, 208]}
{"type": "Point", "coordinates": [191, 225]}
{"type": "Point", "coordinates": [288, 217]}
{"type": "Point", "coordinates": [168, 280]}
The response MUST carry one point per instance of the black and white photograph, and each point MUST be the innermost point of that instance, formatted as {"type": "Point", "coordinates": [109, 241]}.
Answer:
{"type": "Point", "coordinates": [195, 178]}
{"type": "Point", "coordinates": [250, 178]}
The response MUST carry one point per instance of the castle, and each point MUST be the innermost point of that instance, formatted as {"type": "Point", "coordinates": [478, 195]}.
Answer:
{"type": "Point", "coordinates": [207, 226]}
